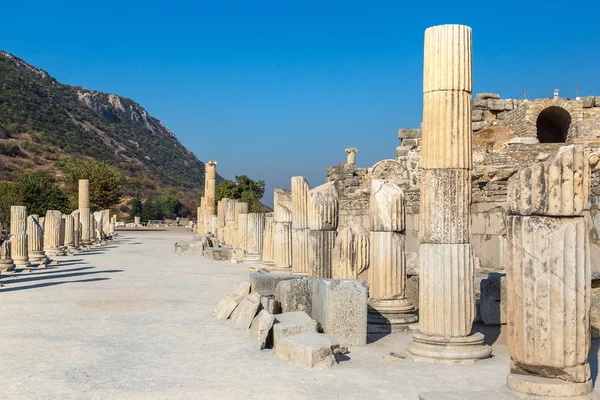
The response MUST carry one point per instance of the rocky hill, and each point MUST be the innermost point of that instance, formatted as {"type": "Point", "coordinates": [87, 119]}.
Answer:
{"type": "Point", "coordinates": [44, 122]}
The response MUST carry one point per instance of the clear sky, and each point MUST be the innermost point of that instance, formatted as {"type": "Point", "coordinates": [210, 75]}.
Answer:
{"type": "Point", "coordinates": [273, 89]}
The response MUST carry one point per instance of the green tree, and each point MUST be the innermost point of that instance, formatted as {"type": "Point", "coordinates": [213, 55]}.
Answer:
{"type": "Point", "coordinates": [137, 207]}
{"type": "Point", "coordinates": [106, 182]}
{"type": "Point", "coordinates": [168, 207]}
{"type": "Point", "coordinates": [10, 195]}
{"type": "Point", "coordinates": [40, 193]}
{"type": "Point", "coordinates": [244, 189]}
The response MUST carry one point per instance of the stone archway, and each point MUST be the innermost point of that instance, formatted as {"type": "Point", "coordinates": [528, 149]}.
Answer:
{"type": "Point", "coordinates": [552, 125]}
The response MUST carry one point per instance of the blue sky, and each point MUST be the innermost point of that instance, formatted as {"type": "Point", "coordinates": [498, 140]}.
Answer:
{"type": "Point", "coordinates": [273, 89]}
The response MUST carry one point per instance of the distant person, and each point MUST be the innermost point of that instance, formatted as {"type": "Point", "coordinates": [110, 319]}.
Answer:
{"type": "Point", "coordinates": [177, 220]}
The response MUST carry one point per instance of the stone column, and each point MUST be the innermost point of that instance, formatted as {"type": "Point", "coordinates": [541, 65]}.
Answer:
{"type": "Point", "coordinates": [322, 222]}
{"type": "Point", "coordinates": [6, 262]}
{"type": "Point", "coordinates": [282, 230]}
{"type": "Point", "coordinates": [221, 211]}
{"type": "Point", "coordinates": [239, 225]}
{"type": "Point", "coordinates": [98, 226]}
{"type": "Point", "coordinates": [84, 211]}
{"type": "Point", "coordinates": [35, 240]}
{"type": "Point", "coordinates": [351, 155]}
{"type": "Point", "coordinates": [549, 278]}
{"type": "Point", "coordinates": [300, 231]}
{"type": "Point", "coordinates": [447, 273]}
{"type": "Point", "coordinates": [94, 229]}
{"type": "Point", "coordinates": [77, 229]}
{"type": "Point", "coordinates": [268, 251]}
{"type": "Point", "coordinates": [201, 225]}
{"type": "Point", "coordinates": [351, 252]}
{"type": "Point", "coordinates": [69, 233]}
{"type": "Point", "coordinates": [230, 222]}
{"type": "Point", "coordinates": [210, 176]}
{"type": "Point", "coordinates": [137, 222]}
{"type": "Point", "coordinates": [105, 223]}
{"type": "Point", "coordinates": [18, 236]}
{"type": "Point", "coordinates": [389, 308]}
{"type": "Point", "coordinates": [242, 232]}
{"type": "Point", "coordinates": [52, 232]}
{"type": "Point", "coordinates": [254, 237]}
{"type": "Point", "coordinates": [112, 226]}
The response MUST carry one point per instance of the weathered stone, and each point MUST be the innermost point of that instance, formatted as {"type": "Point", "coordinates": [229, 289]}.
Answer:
{"type": "Point", "coordinates": [282, 244]}
{"type": "Point", "coordinates": [245, 312]}
{"type": "Point", "coordinates": [267, 302]}
{"type": "Point", "coordinates": [300, 198]}
{"type": "Point", "coordinates": [323, 208]}
{"type": "Point", "coordinates": [486, 96]}
{"type": "Point", "coordinates": [409, 133]}
{"type": "Point", "coordinates": [210, 176]}
{"type": "Point", "coordinates": [35, 238]}
{"type": "Point", "coordinates": [341, 308]}
{"type": "Point", "coordinates": [6, 262]}
{"type": "Point", "coordinates": [493, 300]}
{"type": "Point", "coordinates": [226, 306]}
{"type": "Point", "coordinates": [448, 59]}
{"type": "Point", "coordinates": [321, 244]}
{"type": "Point", "coordinates": [556, 187]}
{"type": "Point", "coordinates": [282, 205]}
{"type": "Point", "coordinates": [18, 236]}
{"type": "Point", "coordinates": [386, 206]}
{"type": "Point", "coordinates": [479, 125]}
{"type": "Point", "coordinates": [268, 250]}
{"type": "Point", "coordinates": [496, 105]}
{"type": "Point", "coordinates": [242, 289]}
{"type": "Point", "coordinates": [84, 211]}
{"type": "Point", "coordinates": [479, 104]}
{"type": "Point", "coordinates": [351, 252]}
{"type": "Point", "coordinates": [238, 255]}
{"type": "Point", "coordinates": [290, 324]}
{"type": "Point", "coordinates": [548, 306]}
{"type": "Point", "coordinates": [267, 283]}
{"type": "Point", "coordinates": [300, 251]}
{"type": "Point", "coordinates": [588, 102]}
{"type": "Point", "coordinates": [308, 350]}
{"type": "Point", "coordinates": [260, 329]}
{"type": "Point", "coordinates": [595, 313]}
{"type": "Point", "coordinates": [189, 248]}
{"type": "Point", "coordinates": [294, 295]}
{"type": "Point", "coordinates": [254, 238]}
{"type": "Point", "coordinates": [476, 115]}
{"type": "Point", "coordinates": [218, 253]}
{"type": "Point", "coordinates": [52, 233]}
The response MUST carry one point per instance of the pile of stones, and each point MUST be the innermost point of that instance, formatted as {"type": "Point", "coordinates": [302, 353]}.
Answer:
{"type": "Point", "coordinates": [308, 322]}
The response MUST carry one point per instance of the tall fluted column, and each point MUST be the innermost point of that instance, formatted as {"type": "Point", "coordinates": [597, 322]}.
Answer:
{"type": "Point", "coordinates": [210, 176]}
{"type": "Point", "coordinates": [351, 155]}
{"type": "Point", "coordinates": [52, 232]}
{"type": "Point", "coordinates": [322, 222]}
{"type": "Point", "coordinates": [221, 211]}
{"type": "Point", "coordinates": [93, 229]}
{"type": "Point", "coordinates": [84, 211]}
{"type": "Point", "coordinates": [18, 236]}
{"type": "Point", "coordinates": [300, 230]}
{"type": "Point", "coordinates": [201, 225]}
{"type": "Point", "coordinates": [447, 274]}
{"type": "Point", "coordinates": [240, 225]}
{"type": "Point", "coordinates": [35, 240]}
{"type": "Point", "coordinates": [255, 235]}
{"type": "Point", "coordinates": [69, 233]}
{"type": "Point", "coordinates": [282, 231]}
{"type": "Point", "coordinates": [77, 229]}
{"type": "Point", "coordinates": [268, 250]}
{"type": "Point", "coordinates": [549, 278]}
{"type": "Point", "coordinates": [389, 308]}
{"type": "Point", "coordinates": [230, 222]}
{"type": "Point", "coordinates": [98, 226]}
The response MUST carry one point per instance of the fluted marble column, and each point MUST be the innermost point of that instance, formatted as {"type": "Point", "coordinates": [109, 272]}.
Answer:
{"type": "Point", "coordinates": [282, 231]}
{"type": "Point", "coordinates": [351, 151]}
{"type": "Point", "coordinates": [351, 252]}
{"type": "Point", "coordinates": [447, 274]}
{"type": "Point", "coordinates": [209, 192]}
{"type": "Point", "coordinates": [549, 278]}
{"type": "Point", "coordinates": [35, 240]}
{"type": "Point", "coordinates": [300, 230]}
{"type": "Point", "coordinates": [389, 308]}
{"type": "Point", "coordinates": [255, 235]}
{"type": "Point", "coordinates": [268, 251]}
{"type": "Point", "coordinates": [69, 233]}
{"type": "Point", "coordinates": [93, 229]}
{"type": "Point", "coordinates": [52, 233]}
{"type": "Point", "coordinates": [239, 225]}
{"type": "Point", "coordinates": [98, 226]}
{"type": "Point", "coordinates": [221, 211]}
{"type": "Point", "coordinates": [6, 262]}
{"type": "Point", "coordinates": [322, 222]}
{"type": "Point", "coordinates": [230, 222]}
{"type": "Point", "coordinates": [77, 229]}
{"type": "Point", "coordinates": [201, 225]}
{"type": "Point", "coordinates": [18, 236]}
{"type": "Point", "coordinates": [84, 211]}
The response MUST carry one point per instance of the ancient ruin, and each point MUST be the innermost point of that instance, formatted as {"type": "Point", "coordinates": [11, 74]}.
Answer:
{"type": "Point", "coordinates": [18, 236]}
{"type": "Point", "coordinates": [84, 211]}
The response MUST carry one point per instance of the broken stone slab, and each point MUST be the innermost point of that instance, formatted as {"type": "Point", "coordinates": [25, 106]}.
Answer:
{"type": "Point", "coordinates": [410, 133]}
{"type": "Point", "coordinates": [226, 306]}
{"type": "Point", "coordinates": [238, 255]}
{"type": "Point", "coordinates": [245, 312]}
{"type": "Point", "coordinates": [486, 96]}
{"type": "Point", "coordinates": [261, 328]}
{"type": "Point", "coordinates": [309, 350]}
{"type": "Point", "coordinates": [267, 283]}
{"type": "Point", "coordinates": [218, 253]}
{"type": "Point", "coordinates": [340, 306]}
{"type": "Point", "coordinates": [189, 248]}
{"type": "Point", "coordinates": [292, 323]}
{"type": "Point", "coordinates": [268, 303]}
{"type": "Point", "coordinates": [493, 299]}
{"type": "Point", "coordinates": [242, 289]}
{"type": "Point", "coordinates": [295, 295]}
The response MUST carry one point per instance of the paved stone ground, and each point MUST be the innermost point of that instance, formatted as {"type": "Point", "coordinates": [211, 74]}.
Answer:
{"type": "Point", "coordinates": [131, 320]}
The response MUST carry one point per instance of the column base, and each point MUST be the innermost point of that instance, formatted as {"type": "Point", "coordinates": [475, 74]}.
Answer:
{"type": "Point", "coordinates": [532, 387]}
{"type": "Point", "coordinates": [252, 257]}
{"type": "Point", "coordinates": [448, 350]}
{"type": "Point", "coordinates": [276, 269]}
{"type": "Point", "coordinates": [54, 252]}
{"type": "Point", "coordinates": [7, 265]}
{"type": "Point", "coordinates": [20, 263]}
{"type": "Point", "coordinates": [387, 316]}
{"type": "Point", "coordinates": [38, 257]}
